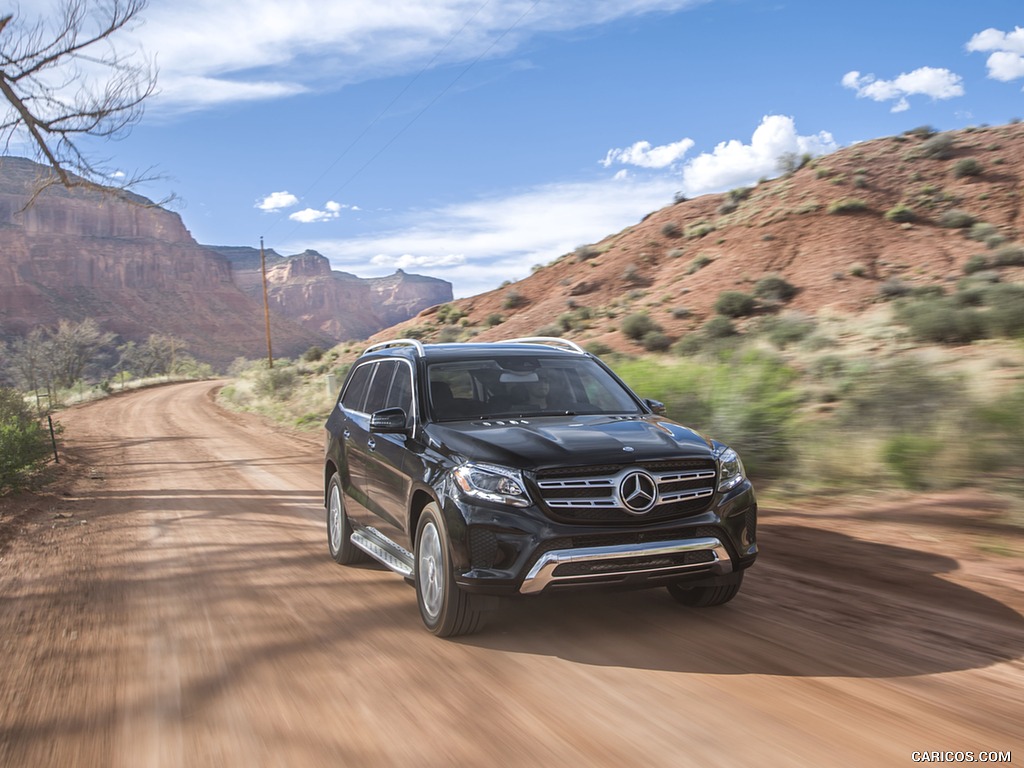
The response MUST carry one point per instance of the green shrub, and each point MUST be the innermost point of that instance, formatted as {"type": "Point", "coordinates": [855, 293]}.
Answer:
{"type": "Point", "coordinates": [671, 229]}
{"type": "Point", "coordinates": [975, 264]}
{"type": "Point", "coordinates": [598, 348]}
{"type": "Point", "coordinates": [638, 325]}
{"type": "Point", "coordinates": [847, 205]}
{"type": "Point", "coordinates": [632, 275]}
{"type": "Point", "coordinates": [967, 166]}
{"type": "Point", "coordinates": [938, 147]}
{"type": "Point", "coordinates": [699, 229]}
{"type": "Point", "coordinates": [982, 231]}
{"type": "Point", "coordinates": [700, 261]}
{"type": "Point", "coordinates": [783, 330]}
{"type": "Point", "coordinates": [1009, 256]}
{"type": "Point", "coordinates": [656, 341]}
{"type": "Point", "coordinates": [449, 314]}
{"type": "Point", "coordinates": [912, 458]}
{"type": "Point", "coordinates": [24, 443]}
{"type": "Point", "coordinates": [719, 327]}
{"type": "Point", "coordinates": [774, 288]}
{"type": "Point", "coordinates": [585, 252]}
{"type": "Point", "coordinates": [901, 394]}
{"type": "Point", "coordinates": [514, 300]}
{"type": "Point", "coordinates": [276, 383]}
{"type": "Point", "coordinates": [900, 213]}
{"type": "Point", "coordinates": [450, 334]}
{"type": "Point", "coordinates": [893, 288]}
{"type": "Point", "coordinates": [547, 330]}
{"type": "Point", "coordinates": [956, 219]}
{"type": "Point", "coordinates": [313, 354]}
{"type": "Point", "coordinates": [921, 132]}
{"type": "Point", "coordinates": [494, 319]}
{"type": "Point", "coordinates": [735, 304]}
{"type": "Point", "coordinates": [1005, 313]}
{"type": "Point", "coordinates": [942, 321]}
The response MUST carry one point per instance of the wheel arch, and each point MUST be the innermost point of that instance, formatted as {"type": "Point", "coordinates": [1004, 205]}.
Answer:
{"type": "Point", "coordinates": [420, 499]}
{"type": "Point", "coordinates": [329, 470]}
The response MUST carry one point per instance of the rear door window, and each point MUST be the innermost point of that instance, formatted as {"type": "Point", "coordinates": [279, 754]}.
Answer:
{"type": "Point", "coordinates": [355, 393]}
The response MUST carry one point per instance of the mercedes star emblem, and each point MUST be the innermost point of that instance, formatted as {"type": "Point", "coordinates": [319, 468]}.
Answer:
{"type": "Point", "coordinates": [638, 492]}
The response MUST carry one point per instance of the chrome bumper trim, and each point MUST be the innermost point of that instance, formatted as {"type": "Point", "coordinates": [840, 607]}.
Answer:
{"type": "Point", "coordinates": [542, 574]}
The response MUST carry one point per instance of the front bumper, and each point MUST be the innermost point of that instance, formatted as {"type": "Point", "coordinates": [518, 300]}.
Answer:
{"type": "Point", "coordinates": [626, 561]}
{"type": "Point", "coordinates": [505, 551]}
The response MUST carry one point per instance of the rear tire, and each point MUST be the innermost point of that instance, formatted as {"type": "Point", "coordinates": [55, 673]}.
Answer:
{"type": "Point", "coordinates": [705, 596]}
{"type": "Point", "coordinates": [447, 610]}
{"type": "Point", "coordinates": [339, 529]}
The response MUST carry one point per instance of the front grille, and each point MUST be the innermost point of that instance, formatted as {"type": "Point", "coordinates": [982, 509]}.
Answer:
{"type": "Point", "coordinates": [592, 494]}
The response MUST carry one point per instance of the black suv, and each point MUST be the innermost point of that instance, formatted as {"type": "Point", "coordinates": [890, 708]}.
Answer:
{"type": "Point", "coordinates": [526, 466]}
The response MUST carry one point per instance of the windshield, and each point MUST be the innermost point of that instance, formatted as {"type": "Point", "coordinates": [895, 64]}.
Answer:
{"type": "Point", "coordinates": [517, 386]}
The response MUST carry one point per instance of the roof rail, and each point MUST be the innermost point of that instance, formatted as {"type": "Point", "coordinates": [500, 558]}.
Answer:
{"type": "Point", "coordinates": [551, 341]}
{"type": "Point", "coordinates": [396, 343]}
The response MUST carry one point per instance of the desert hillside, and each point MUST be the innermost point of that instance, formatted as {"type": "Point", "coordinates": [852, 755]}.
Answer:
{"type": "Point", "coordinates": [843, 232]}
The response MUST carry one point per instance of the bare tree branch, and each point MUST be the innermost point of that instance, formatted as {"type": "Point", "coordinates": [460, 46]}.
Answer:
{"type": "Point", "coordinates": [63, 81]}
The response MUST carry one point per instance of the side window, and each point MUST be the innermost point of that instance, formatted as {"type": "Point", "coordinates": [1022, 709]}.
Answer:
{"type": "Point", "coordinates": [355, 392]}
{"type": "Point", "coordinates": [400, 395]}
{"type": "Point", "coordinates": [380, 384]}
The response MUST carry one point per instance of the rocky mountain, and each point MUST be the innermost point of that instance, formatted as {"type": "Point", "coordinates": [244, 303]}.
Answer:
{"type": "Point", "coordinates": [135, 268]}
{"type": "Point", "coordinates": [305, 289]}
{"type": "Point", "coordinates": [846, 231]}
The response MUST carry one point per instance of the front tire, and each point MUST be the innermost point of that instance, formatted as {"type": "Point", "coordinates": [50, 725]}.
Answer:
{"type": "Point", "coordinates": [446, 610]}
{"type": "Point", "coordinates": [706, 596]}
{"type": "Point", "coordinates": [339, 529]}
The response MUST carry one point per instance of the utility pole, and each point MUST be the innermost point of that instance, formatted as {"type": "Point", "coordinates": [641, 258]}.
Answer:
{"type": "Point", "coordinates": [266, 303]}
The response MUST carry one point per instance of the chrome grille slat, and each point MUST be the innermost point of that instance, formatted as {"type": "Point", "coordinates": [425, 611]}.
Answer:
{"type": "Point", "coordinates": [583, 496]}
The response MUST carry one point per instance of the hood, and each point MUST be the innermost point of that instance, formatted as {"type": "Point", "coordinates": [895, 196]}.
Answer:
{"type": "Point", "coordinates": [552, 441]}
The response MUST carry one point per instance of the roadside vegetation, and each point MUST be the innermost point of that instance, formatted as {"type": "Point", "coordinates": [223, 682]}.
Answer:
{"type": "Point", "coordinates": [71, 363]}
{"type": "Point", "coordinates": [24, 441]}
{"type": "Point", "coordinates": [813, 405]}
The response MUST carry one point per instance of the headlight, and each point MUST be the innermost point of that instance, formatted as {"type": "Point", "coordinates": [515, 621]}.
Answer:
{"type": "Point", "coordinates": [732, 470]}
{"type": "Point", "coordinates": [491, 483]}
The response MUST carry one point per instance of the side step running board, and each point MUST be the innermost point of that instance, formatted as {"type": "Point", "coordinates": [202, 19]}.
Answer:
{"type": "Point", "coordinates": [384, 550]}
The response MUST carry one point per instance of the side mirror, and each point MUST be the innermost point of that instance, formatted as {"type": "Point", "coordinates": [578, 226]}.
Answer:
{"type": "Point", "coordinates": [655, 406]}
{"type": "Point", "coordinates": [390, 421]}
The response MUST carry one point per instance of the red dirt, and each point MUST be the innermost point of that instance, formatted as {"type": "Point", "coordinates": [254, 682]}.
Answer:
{"type": "Point", "coordinates": [172, 603]}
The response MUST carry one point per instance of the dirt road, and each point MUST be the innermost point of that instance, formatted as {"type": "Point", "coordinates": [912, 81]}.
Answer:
{"type": "Point", "coordinates": [172, 603]}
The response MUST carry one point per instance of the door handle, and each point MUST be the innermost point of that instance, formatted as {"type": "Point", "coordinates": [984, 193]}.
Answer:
{"type": "Point", "coordinates": [371, 443]}
{"type": "Point", "coordinates": [346, 434]}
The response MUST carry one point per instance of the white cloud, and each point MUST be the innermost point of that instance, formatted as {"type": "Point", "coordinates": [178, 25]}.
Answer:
{"type": "Point", "coordinates": [211, 53]}
{"type": "Point", "coordinates": [1006, 62]}
{"type": "Point", "coordinates": [332, 210]}
{"type": "Point", "coordinates": [938, 83]}
{"type": "Point", "coordinates": [643, 155]}
{"type": "Point", "coordinates": [275, 201]}
{"type": "Point", "coordinates": [479, 244]}
{"type": "Point", "coordinates": [408, 261]}
{"type": "Point", "coordinates": [733, 163]}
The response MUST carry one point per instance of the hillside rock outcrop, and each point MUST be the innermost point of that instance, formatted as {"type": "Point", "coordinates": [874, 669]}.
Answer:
{"type": "Point", "coordinates": [305, 289]}
{"type": "Point", "coordinates": [71, 254]}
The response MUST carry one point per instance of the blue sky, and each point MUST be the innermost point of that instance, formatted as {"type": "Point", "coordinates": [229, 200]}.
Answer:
{"type": "Point", "coordinates": [470, 140]}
